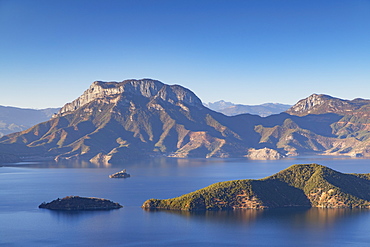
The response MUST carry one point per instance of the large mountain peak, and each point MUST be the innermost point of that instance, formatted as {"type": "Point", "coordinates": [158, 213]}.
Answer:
{"type": "Point", "coordinates": [117, 121]}
{"type": "Point", "coordinates": [148, 88]}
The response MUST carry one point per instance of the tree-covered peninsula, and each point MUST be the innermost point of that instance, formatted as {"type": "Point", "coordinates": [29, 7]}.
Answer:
{"type": "Point", "coordinates": [306, 185]}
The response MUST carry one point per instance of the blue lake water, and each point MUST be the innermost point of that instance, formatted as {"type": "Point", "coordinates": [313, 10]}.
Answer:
{"type": "Point", "coordinates": [24, 186]}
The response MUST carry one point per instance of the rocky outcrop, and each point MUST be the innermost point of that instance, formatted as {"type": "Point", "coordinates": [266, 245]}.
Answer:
{"type": "Point", "coordinates": [308, 185]}
{"type": "Point", "coordinates": [121, 174]}
{"type": "Point", "coordinates": [264, 154]}
{"type": "Point", "coordinates": [75, 203]}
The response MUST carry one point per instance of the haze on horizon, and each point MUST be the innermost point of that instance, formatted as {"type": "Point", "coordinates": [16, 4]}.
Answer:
{"type": "Point", "coordinates": [246, 52]}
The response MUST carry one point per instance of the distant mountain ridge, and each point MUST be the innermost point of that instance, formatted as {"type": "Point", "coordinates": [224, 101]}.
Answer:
{"type": "Point", "coordinates": [14, 119]}
{"type": "Point", "coordinates": [231, 109]}
{"type": "Point", "coordinates": [119, 121]}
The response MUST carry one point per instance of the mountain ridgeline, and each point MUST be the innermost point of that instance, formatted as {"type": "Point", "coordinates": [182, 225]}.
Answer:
{"type": "Point", "coordinates": [308, 185]}
{"type": "Point", "coordinates": [118, 121]}
{"type": "Point", "coordinates": [231, 109]}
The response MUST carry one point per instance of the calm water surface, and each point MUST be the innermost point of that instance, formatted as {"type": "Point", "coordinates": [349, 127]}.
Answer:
{"type": "Point", "coordinates": [24, 186]}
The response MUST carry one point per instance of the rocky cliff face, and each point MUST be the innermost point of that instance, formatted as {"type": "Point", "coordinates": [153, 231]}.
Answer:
{"type": "Point", "coordinates": [111, 92]}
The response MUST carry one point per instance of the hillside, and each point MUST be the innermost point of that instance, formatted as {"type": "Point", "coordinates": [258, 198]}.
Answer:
{"type": "Point", "coordinates": [308, 185]}
{"type": "Point", "coordinates": [231, 109]}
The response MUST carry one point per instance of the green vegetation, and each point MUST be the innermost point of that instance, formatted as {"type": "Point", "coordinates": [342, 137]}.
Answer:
{"type": "Point", "coordinates": [297, 186]}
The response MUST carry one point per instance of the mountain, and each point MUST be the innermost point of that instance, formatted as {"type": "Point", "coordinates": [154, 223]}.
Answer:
{"type": "Point", "coordinates": [231, 109]}
{"type": "Point", "coordinates": [131, 119]}
{"type": "Point", "coordinates": [308, 185]}
{"type": "Point", "coordinates": [322, 104]}
{"type": "Point", "coordinates": [119, 121]}
{"type": "Point", "coordinates": [13, 119]}
{"type": "Point", "coordinates": [352, 128]}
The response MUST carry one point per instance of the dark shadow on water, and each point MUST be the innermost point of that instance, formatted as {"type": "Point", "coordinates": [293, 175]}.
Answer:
{"type": "Point", "coordinates": [77, 215]}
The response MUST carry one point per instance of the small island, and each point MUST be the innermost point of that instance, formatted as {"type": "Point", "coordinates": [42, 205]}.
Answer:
{"type": "Point", "coordinates": [121, 174]}
{"type": "Point", "coordinates": [74, 203]}
{"type": "Point", "coordinates": [306, 185]}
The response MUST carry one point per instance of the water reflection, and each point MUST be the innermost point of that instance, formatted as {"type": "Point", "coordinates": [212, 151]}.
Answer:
{"type": "Point", "coordinates": [59, 164]}
{"type": "Point", "coordinates": [157, 162]}
{"type": "Point", "coordinates": [328, 217]}
{"type": "Point", "coordinates": [75, 214]}
{"type": "Point", "coordinates": [247, 216]}
{"type": "Point", "coordinates": [165, 162]}
{"type": "Point", "coordinates": [296, 217]}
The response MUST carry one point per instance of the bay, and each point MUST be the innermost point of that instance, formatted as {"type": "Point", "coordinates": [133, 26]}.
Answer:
{"type": "Point", "coordinates": [23, 186]}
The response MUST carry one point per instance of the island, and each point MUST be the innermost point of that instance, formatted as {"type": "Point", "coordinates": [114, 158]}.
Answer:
{"type": "Point", "coordinates": [121, 174]}
{"type": "Point", "coordinates": [304, 185]}
{"type": "Point", "coordinates": [74, 203]}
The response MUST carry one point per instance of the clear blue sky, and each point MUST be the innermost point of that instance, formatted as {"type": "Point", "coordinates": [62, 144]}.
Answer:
{"type": "Point", "coordinates": [248, 52]}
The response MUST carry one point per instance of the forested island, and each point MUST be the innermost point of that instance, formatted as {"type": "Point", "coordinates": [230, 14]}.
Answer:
{"type": "Point", "coordinates": [73, 203]}
{"type": "Point", "coordinates": [306, 185]}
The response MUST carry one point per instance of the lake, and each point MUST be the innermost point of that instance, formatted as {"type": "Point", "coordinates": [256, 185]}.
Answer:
{"type": "Point", "coordinates": [23, 186]}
